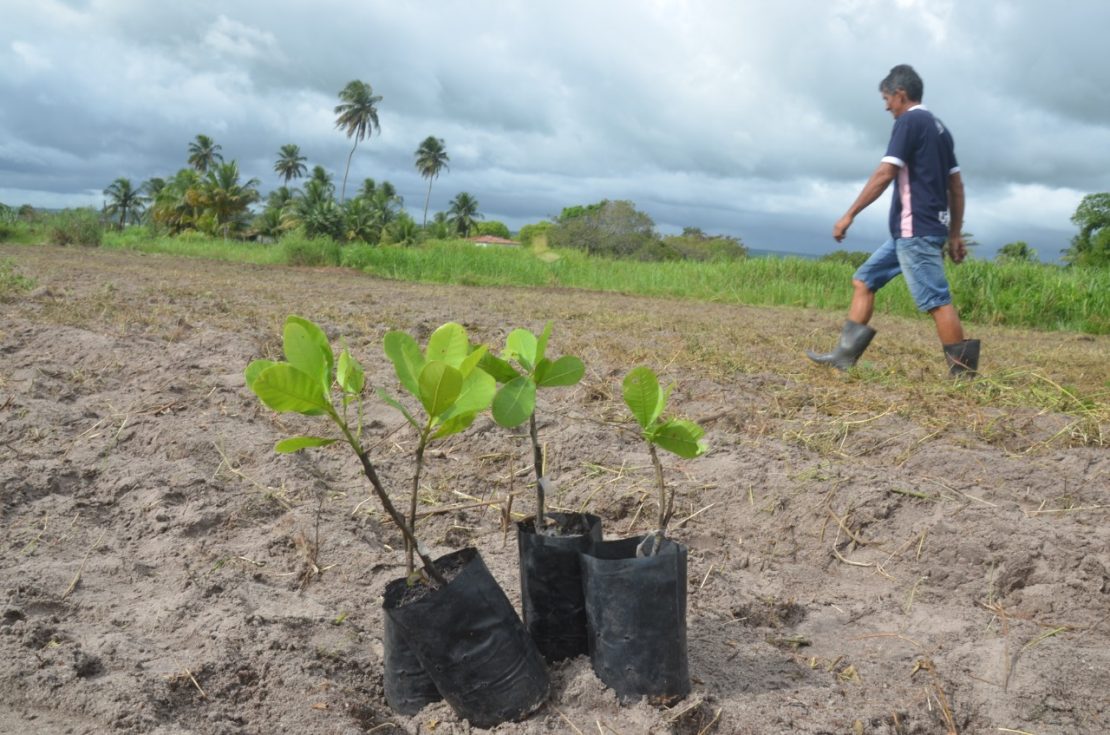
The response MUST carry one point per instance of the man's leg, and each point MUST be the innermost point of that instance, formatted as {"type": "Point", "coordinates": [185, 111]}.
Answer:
{"type": "Point", "coordinates": [863, 303]}
{"type": "Point", "coordinates": [948, 324]}
{"type": "Point", "coordinates": [855, 336]}
{"type": "Point", "coordinates": [922, 261]}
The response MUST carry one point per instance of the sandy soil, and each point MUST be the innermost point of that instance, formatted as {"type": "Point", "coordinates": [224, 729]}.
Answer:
{"type": "Point", "coordinates": [879, 552]}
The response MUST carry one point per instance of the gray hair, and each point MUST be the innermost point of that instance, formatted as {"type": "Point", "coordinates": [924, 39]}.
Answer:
{"type": "Point", "coordinates": [903, 77]}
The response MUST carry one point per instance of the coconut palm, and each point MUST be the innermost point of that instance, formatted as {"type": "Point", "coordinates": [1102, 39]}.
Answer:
{"type": "Point", "coordinates": [176, 205]}
{"type": "Point", "coordinates": [384, 201]}
{"type": "Point", "coordinates": [290, 163]}
{"type": "Point", "coordinates": [322, 178]}
{"type": "Point", "coordinates": [357, 117]}
{"type": "Point", "coordinates": [124, 201]}
{"type": "Point", "coordinates": [152, 186]}
{"type": "Point", "coordinates": [204, 153]}
{"type": "Point", "coordinates": [462, 214]}
{"type": "Point", "coordinates": [226, 200]}
{"type": "Point", "coordinates": [431, 158]}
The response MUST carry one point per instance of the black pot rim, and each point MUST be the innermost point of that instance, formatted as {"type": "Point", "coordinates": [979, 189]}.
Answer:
{"type": "Point", "coordinates": [395, 588]}
{"type": "Point", "coordinates": [528, 525]}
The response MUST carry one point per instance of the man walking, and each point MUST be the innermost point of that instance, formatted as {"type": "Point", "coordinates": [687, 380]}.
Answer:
{"type": "Point", "coordinates": [927, 208]}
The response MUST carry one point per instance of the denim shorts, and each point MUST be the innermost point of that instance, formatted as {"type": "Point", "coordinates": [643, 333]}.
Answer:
{"type": "Point", "coordinates": [920, 260]}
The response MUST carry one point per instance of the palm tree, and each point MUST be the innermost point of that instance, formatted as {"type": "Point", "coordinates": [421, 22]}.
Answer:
{"type": "Point", "coordinates": [463, 214]}
{"type": "Point", "coordinates": [290, 163]}
{"type": "Point", "coordinates": [226, 200]}
{"type": "Point", "coordinates": [204, 153]}
{"type": "Point", "coordinates": [124, 201]}
{"type": "Point", "coordinates": [431, 158]}
{"type": "Point", "coordinates": [176, 205]}
{"type": "Point", "coordinates": [321, 177]}
{"type": "Point", "coordinates": [357, 117]}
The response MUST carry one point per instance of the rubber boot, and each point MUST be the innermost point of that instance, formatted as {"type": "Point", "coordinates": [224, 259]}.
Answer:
{"type": "Point", "coordinates": [963, 358]}
{"type": "Point", "coordinates": [854, 339]}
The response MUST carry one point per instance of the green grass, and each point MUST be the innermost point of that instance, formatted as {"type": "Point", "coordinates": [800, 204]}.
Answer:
{"type": "Point", "coordinates": [12, 283]}
{"type": "Point", "coordinates": [1012, 294]}
{"type": "Point", "coordinates": [139, 239]}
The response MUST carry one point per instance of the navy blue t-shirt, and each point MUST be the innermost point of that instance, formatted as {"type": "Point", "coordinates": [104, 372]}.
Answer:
{"type": "Point", "coordinates": [923, 150]}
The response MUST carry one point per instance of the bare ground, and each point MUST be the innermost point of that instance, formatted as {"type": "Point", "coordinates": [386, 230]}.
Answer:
{"type": "Point", "coordinates": [877, 552]}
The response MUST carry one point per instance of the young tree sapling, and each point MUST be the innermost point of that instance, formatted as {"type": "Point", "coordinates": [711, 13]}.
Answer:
{"type": "Point", "coordinates": [522, 369]}
{"type": "Point", "coordinates": [647, 401]}
{"type": "Point", "coordinates": [304, 384]}
{"type": "Point", "coordinates": [451, 388]}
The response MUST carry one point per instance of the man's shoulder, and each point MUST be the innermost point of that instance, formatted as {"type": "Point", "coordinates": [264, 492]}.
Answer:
{"type": "Point", "coordinates": [920, 118]}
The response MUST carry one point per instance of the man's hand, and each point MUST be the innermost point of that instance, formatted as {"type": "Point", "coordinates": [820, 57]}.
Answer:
{"type": "Point", "coordinates": [957, 250]}
{"type": "Point", "coordinates": [840, 229]}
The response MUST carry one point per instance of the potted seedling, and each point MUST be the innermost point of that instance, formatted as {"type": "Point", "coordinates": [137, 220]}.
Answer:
{"type": "Point", "coordinates": [451, 605]}
{"type": "Point", "coordinates": [549, 543]}
{"type": "Point", "coordinates": [635, 588]}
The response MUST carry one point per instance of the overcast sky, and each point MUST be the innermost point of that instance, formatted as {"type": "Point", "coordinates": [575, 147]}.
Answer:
{"type": "Point", "coordinates": [756, 119]}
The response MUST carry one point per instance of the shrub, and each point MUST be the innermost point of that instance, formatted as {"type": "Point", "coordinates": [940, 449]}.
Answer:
{"type": "Point", "coordinates": [76, 227]}
{"type": "Point", "coordinates": [311, 251]}
{"type": "Point", "coordinates": [357, 256]}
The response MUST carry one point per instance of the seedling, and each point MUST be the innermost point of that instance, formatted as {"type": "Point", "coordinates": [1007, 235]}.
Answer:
{"type": "Point", "coordinates": [312, 382]}
{"type": "Point", "coordinates": [452, 390]}
{"type": "Point", "coordinates": [522, 369]}
{"type": "Point", "coordinates": [647, 401]}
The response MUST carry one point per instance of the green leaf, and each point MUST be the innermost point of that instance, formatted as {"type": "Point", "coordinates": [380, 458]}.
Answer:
{"type": "Point", "coordinates": [397, 405]}
{"type": "Point", "coordinates": [449, 344]}
{"type": "Point", "coordinates": [285, 388]}
{"type": "Point", "coordinates": [682, 437]}
{"type": "Point", "coordinates": [567, 370]}
{"type": "Point", "coordinates": [501, 370]}
{"type": "Point", "coordinates": [454, 425]}
{"type": "Point", "coordinates": [476, 394]}
{"type": "Point", "coordinates": [642, 396]}
{"type": "Point", "coordinates": [440, 386]}
{"type": "Point", "coordinates": [408, 361]}
{"type": "Point", "coordinates": [255, 369]}
{"type": "Point", "coordinates": [297, 443]}
{"type": "Point", "coordinates": [520, 345]}
{"type": "Point", "coordinates": [307, 349]}
{"type": "Point", "coordinates": [514, 402]}
{"type": "Point", "coordinates": [472, 360]}
{"type": "Point", "coordinates": [349, 373]}
{"type": "Point", "coordinates": [541, 344]}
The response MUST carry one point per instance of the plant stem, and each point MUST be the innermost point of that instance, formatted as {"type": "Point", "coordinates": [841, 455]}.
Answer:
{"type": "Point", "coordinates": [415, 493]}
{"type": "Point", "coordinates": [537, 463]}
{"type": "Point", "coordinates": [666, 506]}
{"type": "Point", "coordinates": [390, 509]}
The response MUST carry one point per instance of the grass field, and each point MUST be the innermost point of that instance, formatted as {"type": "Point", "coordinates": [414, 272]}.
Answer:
{"type": "Point", "coordinates": [1028, 295]}
{"type": "Point", "coordinates": [1012, 294]}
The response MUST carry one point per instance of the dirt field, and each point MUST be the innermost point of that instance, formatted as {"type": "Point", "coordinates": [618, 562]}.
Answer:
{"type": "Point", "coordinates": [879, 552]}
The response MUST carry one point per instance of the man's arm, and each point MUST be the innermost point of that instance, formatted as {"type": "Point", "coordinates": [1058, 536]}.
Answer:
{"type": "Point", "coordinates": [872, 190]}
{"type": "Point", "coordinates": [957, 250]}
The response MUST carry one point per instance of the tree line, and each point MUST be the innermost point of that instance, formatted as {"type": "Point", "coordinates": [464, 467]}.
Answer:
{"type": "Point", "coordinates": [211, 196]}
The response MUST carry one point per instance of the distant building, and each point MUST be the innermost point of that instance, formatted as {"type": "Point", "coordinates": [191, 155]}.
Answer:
{"type": "Point", "coordinates": [487, 240]}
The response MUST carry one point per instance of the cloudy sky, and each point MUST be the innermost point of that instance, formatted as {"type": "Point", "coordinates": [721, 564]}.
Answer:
{"type": "Point", "coordinates": [753, 118]}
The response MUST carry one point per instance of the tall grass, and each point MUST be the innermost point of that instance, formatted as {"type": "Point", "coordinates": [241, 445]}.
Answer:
{"type": "Point", "coordinates": [193, 245]}
{"type": "Point", "coordinates": [1013, 293]}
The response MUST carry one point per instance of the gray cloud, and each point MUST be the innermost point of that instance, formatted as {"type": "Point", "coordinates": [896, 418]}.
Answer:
{"type": "Point", "coordinates": [756, 119]}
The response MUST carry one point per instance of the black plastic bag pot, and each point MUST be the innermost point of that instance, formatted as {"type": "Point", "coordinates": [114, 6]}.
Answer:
{"type": "Point", "coordinates": [408, 688]}
{"type": "Point", "coordinates": [551, 582]}
{"type": "Point", "coordinates": [636, 615]}
{"type": "Point", "coordinates": [470, 641]}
